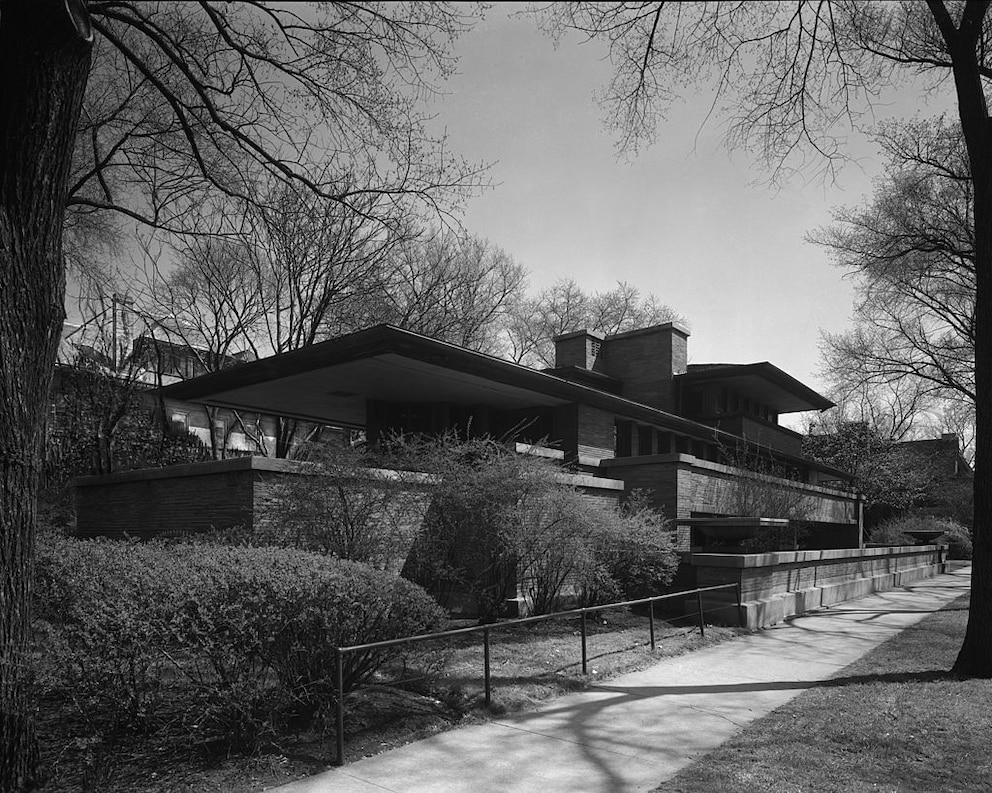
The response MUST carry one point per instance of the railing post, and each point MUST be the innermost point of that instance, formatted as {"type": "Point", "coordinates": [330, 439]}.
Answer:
{"type": "Point", "coordinates": [485, 644]}
{"type": "Point", "coordinates": [583, 621]}
{"type": "Point", "coordinates": [740, 605]}
{"type": "Point", "coordinates": [699, 604]}
{"type": "Point", "coordinates": [651, 621]}
{"type": "Point", "coordinates": [339, 674]}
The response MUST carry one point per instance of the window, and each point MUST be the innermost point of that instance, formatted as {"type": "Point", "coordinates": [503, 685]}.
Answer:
{"type": "Point", "coordinates": [180, 420]}
{"type": "Point", "coordinates": [622, 438]}
{"type": "Point", "coordinates": [694, 402]}
{"type": "Point", "coordinates": [664, 442]}
{"type": "Point", "coordinates": [220, 430]}
{"type": "Point", "coordinates": [645, 435]}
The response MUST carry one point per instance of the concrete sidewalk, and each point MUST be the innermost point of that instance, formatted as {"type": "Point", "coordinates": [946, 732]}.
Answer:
{"type": "Point", "coordinates": [638, 730]}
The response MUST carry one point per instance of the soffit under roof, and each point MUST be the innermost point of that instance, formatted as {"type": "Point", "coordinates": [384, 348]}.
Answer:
{"type": "Point", "coordinates": [761, 382]}
{"type": "Point", "coordinates": [331, 382]}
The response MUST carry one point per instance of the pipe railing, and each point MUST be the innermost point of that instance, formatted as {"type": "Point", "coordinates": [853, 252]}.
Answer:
{"type": "Point", "coordinates": [485, 630]}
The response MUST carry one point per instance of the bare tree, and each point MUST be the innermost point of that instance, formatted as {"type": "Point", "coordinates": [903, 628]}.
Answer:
{"type": "Point", "coordinates": [795, 77]}
{"type": "Point", "coordinates": [564, 307]}
{"type": "Point", "coordinates": [911, 251]}
{"type": "Point", "coordinates": [456, 287]}
{"type": "Point", "coordinates": [209, 308]}
{"type": "Point", "coordinates": [185, 100]}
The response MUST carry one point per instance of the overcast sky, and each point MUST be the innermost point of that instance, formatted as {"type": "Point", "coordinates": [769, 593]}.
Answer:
{"type": "Point", "coordinates": [685, 219]}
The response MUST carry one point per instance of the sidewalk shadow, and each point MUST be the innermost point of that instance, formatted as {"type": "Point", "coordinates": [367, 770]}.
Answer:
{"type": "Point", "coordinates": [927, 676]}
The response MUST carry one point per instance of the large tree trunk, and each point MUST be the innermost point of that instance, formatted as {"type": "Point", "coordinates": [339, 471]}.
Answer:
{"type": "Point", "coordinates": [975, 657]}
{"type": "Point", "coordinates": [44, 62]}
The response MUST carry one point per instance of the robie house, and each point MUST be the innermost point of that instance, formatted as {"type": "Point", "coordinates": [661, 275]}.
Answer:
{"type": "Point", "coordinates": [626, 411]}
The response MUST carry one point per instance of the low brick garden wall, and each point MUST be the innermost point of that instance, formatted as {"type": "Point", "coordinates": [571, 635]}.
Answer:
{"type": "Point", "coordinates": [776, 586]}
{"type": "Point", "coordinates": [243, 493]}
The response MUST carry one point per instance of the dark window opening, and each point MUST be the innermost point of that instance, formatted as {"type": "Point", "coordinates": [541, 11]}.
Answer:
{"type": "Point", "coordinates": [622, 438]}
{"type": "Point", "coordinates": [645, 436]}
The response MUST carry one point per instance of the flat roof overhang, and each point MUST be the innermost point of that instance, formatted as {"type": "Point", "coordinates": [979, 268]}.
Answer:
{"type": "Point", "coordinates": [330, 383]}
{"type": "Point", "coordinates": [762, 382]}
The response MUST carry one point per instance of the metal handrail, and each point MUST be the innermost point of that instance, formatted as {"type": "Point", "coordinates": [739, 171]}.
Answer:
{"type": "Point", "coordinates": [340, 652]}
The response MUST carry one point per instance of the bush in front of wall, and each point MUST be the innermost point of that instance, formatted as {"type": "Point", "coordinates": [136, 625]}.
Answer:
{"type": "Point", "coordinates": [237, 641]}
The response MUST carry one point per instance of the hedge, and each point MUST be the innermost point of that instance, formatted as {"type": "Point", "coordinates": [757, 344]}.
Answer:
{"type": "Point", "coordinates": [239, 639]}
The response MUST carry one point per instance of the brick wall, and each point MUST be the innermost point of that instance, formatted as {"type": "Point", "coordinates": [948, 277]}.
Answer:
{"type": "Point", "coordinates": [645, 360]}
{"type": "Point", "coordinates": [683, 486]}
{"type": "Point", "coordinates": [580, 349]}
{"type": "Point", "coordinates": [595, 432]}
{"type": "Point", "coordinates": [173, 500]}
{"type": "Point", "coordinates": [240, 492]}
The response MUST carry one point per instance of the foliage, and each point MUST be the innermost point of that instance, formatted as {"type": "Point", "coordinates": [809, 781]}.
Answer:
{"type": "Point", "coordinates": [340, 506]}
{"type": "Point", "coordinates": [501, 522]}
{"type": "Point", "coordinates": [479, 517]}
{"type": "Point", "coordinates": [634, 554]}
{"type": "Point", "coordinates": [888, 480]}
{"type": "Point", "coordinates": [103, 423]}
{"type": "Point", "coordinates": [895, 532]}
{"type": "Point", "coordinates": [892, 532]}
{"type": "Point", "coordinates": [237, 640]}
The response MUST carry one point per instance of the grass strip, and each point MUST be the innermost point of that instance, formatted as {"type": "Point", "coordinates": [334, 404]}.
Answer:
{"type": "Point", "coordinates": [895, 720]}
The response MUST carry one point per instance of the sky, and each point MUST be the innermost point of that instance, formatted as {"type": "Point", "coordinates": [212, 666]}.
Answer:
{"type": "Point", "coordinates": [685, 219]}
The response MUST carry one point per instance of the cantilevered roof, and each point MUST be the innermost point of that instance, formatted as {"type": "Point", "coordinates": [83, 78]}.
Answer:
{"type": "Point", "coordinates": [763, 382]}
{"type": "Point", "coordinates": [329, 383]}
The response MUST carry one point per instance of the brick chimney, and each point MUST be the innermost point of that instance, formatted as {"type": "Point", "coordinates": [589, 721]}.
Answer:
{"type": "Point", "coordinates": [646, 360]}
{"type": "Point", "coordinates": [582, 349]}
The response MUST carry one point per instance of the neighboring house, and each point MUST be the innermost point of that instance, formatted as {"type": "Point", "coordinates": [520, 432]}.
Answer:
{"type": "Point", "coordinates": [947, 476]}
{"type": "Point", "coordinates": [626, 408]}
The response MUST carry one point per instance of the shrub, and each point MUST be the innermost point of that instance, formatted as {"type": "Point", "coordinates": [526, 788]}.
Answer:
{"type": "Point", "coordinates": [340, 506]}
{"type": "Point", "coordinates": [501, 522]}
{"type": "Point", "coordinates": [637, 550]}
{"type": "Point", "coordinates": [891, 532]}
{"type": "Point", "coordinates": [958, 539]}
{"type": "Point", "coordinates": [634, 554]}
{"type": "Point", "coordinates": [107, 603]}
{"type": "Point", "coordinates": [894, 532]}
{"type": "Point", "coordinates": [489, 519]}
{"type": "Point", "coordinates": [240, 639]}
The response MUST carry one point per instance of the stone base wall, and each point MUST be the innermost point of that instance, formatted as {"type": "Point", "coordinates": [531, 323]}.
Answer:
{"type": "Point", "coordinates": [776, 586]}
{"type": "Point", "coordinates": [685, 486]}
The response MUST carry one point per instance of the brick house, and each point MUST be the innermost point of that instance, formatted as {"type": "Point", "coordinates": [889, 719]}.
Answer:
{"type": "Point", "coordinates": [623, 409]}
{"type": "Point", "coordinates": [947, 476]}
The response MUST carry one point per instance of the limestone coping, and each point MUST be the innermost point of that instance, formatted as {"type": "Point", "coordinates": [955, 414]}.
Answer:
{"type": "Point", "coordinates": [212, 467]}
{"type": "Point", "coordinates": [696, 462]}
{"type": "Point", "coordinates": [743, 560]}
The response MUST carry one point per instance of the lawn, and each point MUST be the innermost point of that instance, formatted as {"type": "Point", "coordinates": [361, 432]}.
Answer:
{"type": "Point", "coordinates": [530, 664]}
{"type": "Point", "coordinates": [896, 720]}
